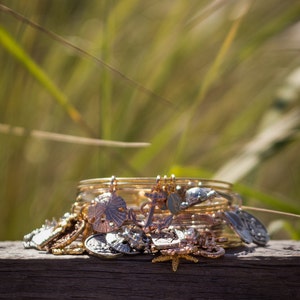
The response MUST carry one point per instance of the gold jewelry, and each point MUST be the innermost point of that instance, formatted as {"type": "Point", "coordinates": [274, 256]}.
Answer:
{"type": "Point", "coordinates": [176, 217]}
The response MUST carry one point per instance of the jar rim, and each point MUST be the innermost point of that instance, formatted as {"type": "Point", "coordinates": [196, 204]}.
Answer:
{"type": "Point", "coordinates": [151, 181]}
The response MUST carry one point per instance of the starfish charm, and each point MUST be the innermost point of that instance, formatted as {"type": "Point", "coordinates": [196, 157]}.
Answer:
{"type": "Point", "coordinates": [175, 259]}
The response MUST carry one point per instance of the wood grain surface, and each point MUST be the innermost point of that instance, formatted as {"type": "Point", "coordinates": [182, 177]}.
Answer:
{"type": "Point", "coordinates": [272, 272]}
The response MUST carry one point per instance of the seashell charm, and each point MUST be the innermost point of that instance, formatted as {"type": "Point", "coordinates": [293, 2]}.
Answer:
{"type": "Point", "coordinates": [108, 212]}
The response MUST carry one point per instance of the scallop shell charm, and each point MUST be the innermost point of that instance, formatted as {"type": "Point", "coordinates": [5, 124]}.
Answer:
{"type": "Point", "coordinates": [107, 213]}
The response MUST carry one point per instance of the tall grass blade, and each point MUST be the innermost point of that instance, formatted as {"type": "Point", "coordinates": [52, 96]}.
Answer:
{"type": "Point", "coordinates": [266, 199]}
{"type": "Point", "coordinates": [38, 73]}
{"type": "Point", "coordinates": [99, 61]}
{"type": "Point", "coordinates": [271, 211]}
{"type": "Point", "coordinates": [58, 137]}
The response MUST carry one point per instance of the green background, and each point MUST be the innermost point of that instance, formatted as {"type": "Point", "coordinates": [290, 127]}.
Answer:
{"type": "Point", "coordinates": [216, 73]}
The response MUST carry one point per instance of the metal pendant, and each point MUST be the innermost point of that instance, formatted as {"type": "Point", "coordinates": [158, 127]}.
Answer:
{"type": "Point", "coordinates": [247, 227]}
{"type": "Point", "coordinates": [97, 245]}
{"type": "Point", "coordinates": [118, 243]}
{"type": "Point", "coordinates": [197, 195]}
{"type": "Point", "coordinates": [107, 213]}
{"type": "Point", "coordinates": [128, 242]}
{"type": "Point", "coordinates": [165, 240]}
{"type": "Point", "coordinates": [257, 230]}
{"type": "Point", "coordinates": [40, 238]}
{"type": "Point", "coordinates": [173, 203]}
{"type": "Point", "coordinates": [235, 222]}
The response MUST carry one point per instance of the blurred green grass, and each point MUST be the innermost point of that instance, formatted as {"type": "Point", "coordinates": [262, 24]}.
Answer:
{"type": "Point", "coordinates": [224, 66]}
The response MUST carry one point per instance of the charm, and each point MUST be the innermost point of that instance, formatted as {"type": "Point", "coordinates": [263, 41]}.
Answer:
{"type": "Point", "coordinates": [197, 195]}
{"type": "Point", "coordinates": [97, 245]}
{"type": "Point", "coordinates": [175, 259]}
{"type": "Point", "coordinates": [173, 203]}
{"type": "Point", "coordinates": [74, 248]}
{"type": "Point", "coordinates": [41, 238]}
{"type": "Point", "coordinates": [70, 235]}
{"type": "Point", "coordinates": [107, 213]}
{"type": "Point", "coordinates": [257, 230]}
{"type": "Point", "coordinates": [235, 222]}
{"type": "Point", "coordinates": [190, 242]}
{"type": "Point", "coordinates": [248, 228]}
{"type": "Point", "coordinates": [130, 242]}
{"type": "Point", "coordinates": [157, 198]}
{"type": "Point", "coordinates": [38, 238]}
{"type": "Point", "coordinates": [165, 241]}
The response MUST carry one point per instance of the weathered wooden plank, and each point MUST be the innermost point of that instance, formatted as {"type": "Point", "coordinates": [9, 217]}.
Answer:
{"type": "Point", "coordinates": [244, 273]}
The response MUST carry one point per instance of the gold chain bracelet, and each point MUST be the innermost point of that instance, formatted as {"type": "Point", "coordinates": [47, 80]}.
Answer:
{"type": "Point", "coordinates": [174, 217]}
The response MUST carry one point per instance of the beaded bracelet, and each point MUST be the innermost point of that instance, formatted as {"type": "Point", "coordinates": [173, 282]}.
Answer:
{"type": "Point", "coordinates": [174, 217]}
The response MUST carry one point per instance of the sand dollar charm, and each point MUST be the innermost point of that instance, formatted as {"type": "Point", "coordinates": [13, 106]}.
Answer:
{"type": "Point", "coordinates": [97, 245]}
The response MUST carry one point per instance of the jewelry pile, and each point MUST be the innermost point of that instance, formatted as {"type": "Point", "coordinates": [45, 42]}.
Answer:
{"type": "Point", "coordinates": [170, 217]}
